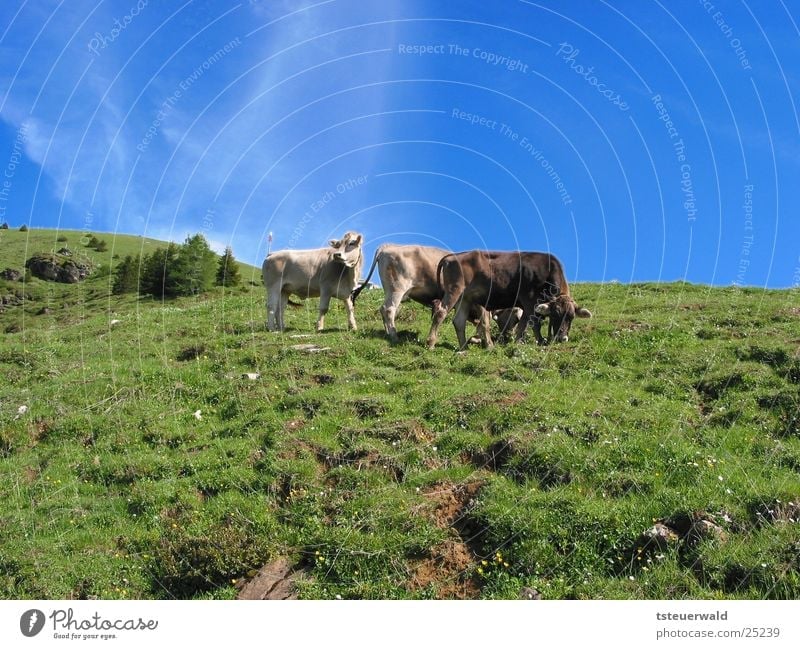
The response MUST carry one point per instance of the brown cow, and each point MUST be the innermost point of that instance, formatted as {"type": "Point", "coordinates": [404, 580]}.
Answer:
{"type": "Point", "coordinates": [322, 272]}
{"type": "Point", "coordinates": [533, 281]}
{"type": "Point", "coordinates": [407, 273]}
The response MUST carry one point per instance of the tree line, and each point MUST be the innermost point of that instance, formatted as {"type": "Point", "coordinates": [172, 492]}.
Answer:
{"type": "Point", "coordinates": [177, 270]}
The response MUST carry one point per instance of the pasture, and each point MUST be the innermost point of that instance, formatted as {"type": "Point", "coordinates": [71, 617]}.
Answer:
{"type": "Point", "coordinates": [148, 464]}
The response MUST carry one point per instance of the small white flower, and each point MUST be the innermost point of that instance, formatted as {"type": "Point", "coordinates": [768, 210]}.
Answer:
{"type": "Point", "coordinates": [22, 410]}
{"type": "Point", "coordinates": [198, 415]}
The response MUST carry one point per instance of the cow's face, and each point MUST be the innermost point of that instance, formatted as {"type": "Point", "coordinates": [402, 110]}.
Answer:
{"type": "Point", "coordinates": [347, 250]}
{"type": "Point", "coordinates": [561, 311]}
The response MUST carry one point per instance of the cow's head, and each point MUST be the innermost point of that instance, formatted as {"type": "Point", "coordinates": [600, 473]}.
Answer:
{"type": "Point", "coordinates": [347, 250]}
{"type": "Point", "coordinates": [561, 310]}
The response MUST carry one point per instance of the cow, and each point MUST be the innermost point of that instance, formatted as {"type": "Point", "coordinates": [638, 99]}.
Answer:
{"type": "Point", "coordinates": [407, 273]}
{"type": "Point", "coordinates": [322, 272]}
{"type": "Point", "coordinates": [533, 281]}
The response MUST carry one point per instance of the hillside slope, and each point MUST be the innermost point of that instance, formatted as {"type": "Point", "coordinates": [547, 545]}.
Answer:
{"type": "Point", "coordinates": [139, 460]}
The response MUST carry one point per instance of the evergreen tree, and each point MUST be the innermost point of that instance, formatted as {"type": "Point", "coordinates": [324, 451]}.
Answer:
{"type": "Point", "coordinates": [195, 267]}
{"type": "Point", "coordinates": [228, 270]}
{"type": "Point", "coordinates": [126, 276]}
{"type": "Point", "coordinates": [157, 272]}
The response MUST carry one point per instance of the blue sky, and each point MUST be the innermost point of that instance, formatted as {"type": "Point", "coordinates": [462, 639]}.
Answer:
{"type": "Point", "coordinates": [636, 140]}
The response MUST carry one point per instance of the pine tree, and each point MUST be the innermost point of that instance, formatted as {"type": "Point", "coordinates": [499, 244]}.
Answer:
{"type": "Point", "coordinates": [126, 276]}
{"type": "Point", "coordinates": [195, 267]}
{"type": "Point", "coordinates": [228, 270]}
{"type": "Point", "coordinates": [157, 274]}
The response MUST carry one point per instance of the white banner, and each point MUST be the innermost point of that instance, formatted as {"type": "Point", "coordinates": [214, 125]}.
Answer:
{"type": "Point", "coordinates": [354, 625]}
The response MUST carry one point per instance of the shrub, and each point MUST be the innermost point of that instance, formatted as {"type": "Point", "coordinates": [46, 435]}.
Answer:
{"type": "Point", "coordinates": [61, 238]}
{"type": "Point", "coordinates": [23, 228]}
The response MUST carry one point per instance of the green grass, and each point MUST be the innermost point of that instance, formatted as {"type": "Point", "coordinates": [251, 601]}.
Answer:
{"type": "Point", "coordinates": [391, 471]}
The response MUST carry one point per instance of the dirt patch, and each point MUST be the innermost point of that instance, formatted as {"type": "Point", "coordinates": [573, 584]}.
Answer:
{"type": "Point", "coordinates": [191, 353]}
{"type": "Point", "coordinates": [450, 500]}
{"type": "Point", "coordinates": [518, 396]}
{"type": "Point", "coordinates": [362, 460]}
{"type": "Point", "coordinates": [446, 569]}
{"type": "Point", "coordinates": [409, 430]}
{"type": "Point", "coordinates": [293, 425]}
{"type": "Point", "coordinates": [274, 581]}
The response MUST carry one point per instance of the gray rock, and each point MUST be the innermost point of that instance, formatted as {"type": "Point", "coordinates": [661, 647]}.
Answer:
{"type": "Point", "coordinates": [11, 275]}
{"type": "Point", "coordinates": [56, 269]}
{"type": "Point", "coordinates": [529, 593]}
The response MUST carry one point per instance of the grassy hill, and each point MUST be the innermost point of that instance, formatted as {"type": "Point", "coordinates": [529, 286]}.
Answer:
{"type": "Point", "coordinates": [147, 464]}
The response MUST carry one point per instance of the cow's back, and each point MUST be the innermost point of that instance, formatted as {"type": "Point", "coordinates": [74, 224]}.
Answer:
{"type": "Point", "coordinates": [413, 266]}
{"type": "Point", "coordinates": [502, 279]}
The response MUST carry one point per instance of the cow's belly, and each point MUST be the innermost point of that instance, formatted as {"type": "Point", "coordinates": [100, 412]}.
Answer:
{"type": "Point", "coordinates": [301, 290]}
{"type": "Point", "coordinates": [424, 294]}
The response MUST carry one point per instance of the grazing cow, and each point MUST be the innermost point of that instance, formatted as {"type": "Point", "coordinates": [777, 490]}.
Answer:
{"type": "Point", "coordinates": [407, 273]}
{"type": "Point", "coordinates": [323, 272]}
{"type": "Point", "coordinates": [533, 281]}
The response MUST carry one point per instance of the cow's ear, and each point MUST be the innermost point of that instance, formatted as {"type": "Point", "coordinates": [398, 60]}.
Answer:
{"type": "Point", "coordinates": [357, 242]}
{"type": "Point", "coordinates": [542, 309]}
{"type": "Point", "coordinates": [580, 312]}
{"type": "Point", "coordinates": [334, 243]}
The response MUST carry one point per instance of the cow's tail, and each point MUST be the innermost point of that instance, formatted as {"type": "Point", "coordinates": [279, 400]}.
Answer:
{"type": "Point", "coordinates": [439, 272]}
{"type": "Point", "coordinates": [357, 291]}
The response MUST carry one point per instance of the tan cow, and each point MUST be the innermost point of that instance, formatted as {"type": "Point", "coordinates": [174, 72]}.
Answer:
{"type": "Point", "coordinates": [407, 273]}
{"type": "Point", "coordinates": [322, 272]}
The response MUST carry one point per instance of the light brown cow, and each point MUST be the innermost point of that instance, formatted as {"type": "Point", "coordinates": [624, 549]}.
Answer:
{"type": "Point", "coordinates": [407, 273]}
{"type": "Point", "coordinates": [322, 272]}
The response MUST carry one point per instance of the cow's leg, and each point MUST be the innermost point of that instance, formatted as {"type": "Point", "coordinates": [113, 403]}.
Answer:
{"type": "Point", "coordinates": [282, 312]}
{"type": "Point", "coordinates": [537, 330]}
{"type": "Point", "coordinates": [485, 328]}
{"type": "Point", "coordinates": [324, 305]}
{"type": "Point", "coordinates": [439, 313]}
{"type": "Point", "coordinates": [522, 326]}
{"type": "Point", "coordinates": [351, 316]}
{"type": "Point", "coordinates": [460, 323]}
{"type": "Point", "coordinates": [272, 307]}
{"type": "Point", "coordinates": [389, 311]}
